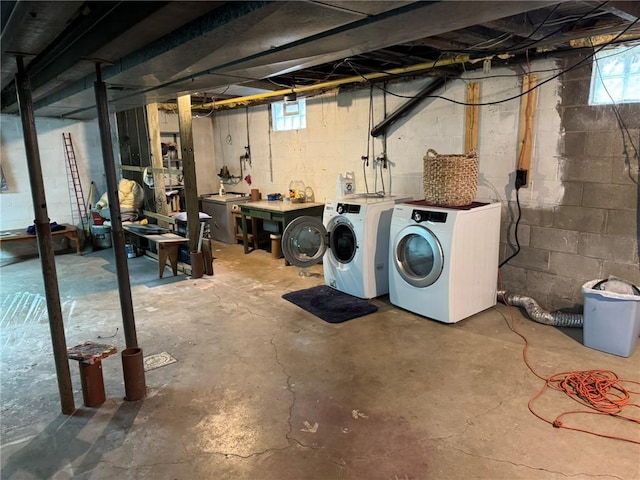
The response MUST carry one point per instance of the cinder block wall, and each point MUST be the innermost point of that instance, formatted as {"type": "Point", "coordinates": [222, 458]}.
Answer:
{"type": "Point", "coordinates": [16, 207]}
{"type": "Point", "coordinates": [593, 231]}
{"type": "Point", "coordinates": [579, 214]}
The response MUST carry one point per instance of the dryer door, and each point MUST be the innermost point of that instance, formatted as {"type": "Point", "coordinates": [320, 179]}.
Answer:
{"type": "Point", "coordinates": [304, 241]}
{"type": "Point", "coordinates": [418, 256]}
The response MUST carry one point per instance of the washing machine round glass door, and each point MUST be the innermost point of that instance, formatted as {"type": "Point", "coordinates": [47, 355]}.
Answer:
{"type": "Point", "coordinates": [418, 256]}
{"type": "Point", "coordinates": [304, 241]}
{"type": "Point", "coordinates": [342, 239]}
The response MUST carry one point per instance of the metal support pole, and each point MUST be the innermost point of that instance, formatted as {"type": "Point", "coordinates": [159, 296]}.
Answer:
{"type": "Point", "coordinates": [45, 244]}
{"type": "Point", "coordinates": [122, 269]}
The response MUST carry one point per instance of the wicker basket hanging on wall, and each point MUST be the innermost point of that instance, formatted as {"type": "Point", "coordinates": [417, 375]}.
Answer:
{"type": "Point", "coordinates": [450, 180]}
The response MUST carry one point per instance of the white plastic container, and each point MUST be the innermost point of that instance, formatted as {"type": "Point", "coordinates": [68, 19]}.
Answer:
{"type": "Point", "coordinates": [611, 320]}
{"type": "Point", "coordinates": [346, 185]}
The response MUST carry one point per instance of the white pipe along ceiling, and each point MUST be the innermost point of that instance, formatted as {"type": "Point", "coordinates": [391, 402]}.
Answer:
{"type": "Point", "coordinates": [154, 51]}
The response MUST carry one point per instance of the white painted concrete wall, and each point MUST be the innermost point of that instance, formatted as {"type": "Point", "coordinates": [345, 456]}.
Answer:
{"type": "Point", "coordinates": [333, 142]}
{"type": "Point", "coordinates": [337, 133]}
{"type": "Point", "coordinates": [16, 207]}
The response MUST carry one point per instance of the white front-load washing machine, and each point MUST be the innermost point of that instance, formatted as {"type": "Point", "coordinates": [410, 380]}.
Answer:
{"type": "Point", "coordinates": [352, 240]}
{"type": "Point", "coordinates": [444, 261]}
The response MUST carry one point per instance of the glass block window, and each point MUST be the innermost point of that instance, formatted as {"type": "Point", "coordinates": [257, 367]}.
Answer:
{"type": "Point", "coordinates": [289, 115]}
{"type": "Point", "coordinates": [616, 76]}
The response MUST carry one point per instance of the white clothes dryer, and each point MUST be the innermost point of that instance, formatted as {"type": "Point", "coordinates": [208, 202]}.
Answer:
{"type": "Point", "coordinates": [352, 240]}
{"type": "Point", "coordinates": [444, 261]}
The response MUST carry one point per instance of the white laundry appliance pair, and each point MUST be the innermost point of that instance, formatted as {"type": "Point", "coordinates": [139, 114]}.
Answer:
{"type": "Point", "coordinates": [352, 240]}
{"type": "Point", "coordinates": [443, 262]}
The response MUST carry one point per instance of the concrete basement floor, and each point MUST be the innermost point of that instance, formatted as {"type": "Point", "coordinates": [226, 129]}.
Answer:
{"type": "Point", "coordinates": [264, 390]}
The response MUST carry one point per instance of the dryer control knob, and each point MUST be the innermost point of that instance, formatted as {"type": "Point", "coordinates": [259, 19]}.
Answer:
{"type": "Point", "coordinates": [340, 209]}
{"type": "Point", "coordinates": [417, 217]}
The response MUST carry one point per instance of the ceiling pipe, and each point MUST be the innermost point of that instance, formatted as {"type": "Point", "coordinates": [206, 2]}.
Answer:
{"type": "Point", "coordinates": [242, 101]}
{"type": "Point", "coordinates": [405, 108]}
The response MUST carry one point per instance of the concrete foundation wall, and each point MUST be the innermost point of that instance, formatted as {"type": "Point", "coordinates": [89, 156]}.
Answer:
{"type": "Point", "coordinates": [16, 206]}
{"type": "Point", "coordinates": [592, 231]}
{"type": "Point", "coordinates": [579, 213]}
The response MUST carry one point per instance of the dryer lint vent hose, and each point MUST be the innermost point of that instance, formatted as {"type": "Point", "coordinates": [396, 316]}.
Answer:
{"type": "Point", "coordinates": [539, 314]}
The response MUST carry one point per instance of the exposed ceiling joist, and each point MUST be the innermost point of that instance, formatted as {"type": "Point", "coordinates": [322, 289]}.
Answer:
{"type": "Point", "coordinates": [626, 10]}
{"type": "Point", "coordinates": [155, 51]}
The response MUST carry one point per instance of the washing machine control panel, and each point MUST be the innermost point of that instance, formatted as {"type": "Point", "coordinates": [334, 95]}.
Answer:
{"type": "Point", "coordinates": [347, 208]}
{"type": "Point", "coordinates": [428, 216]}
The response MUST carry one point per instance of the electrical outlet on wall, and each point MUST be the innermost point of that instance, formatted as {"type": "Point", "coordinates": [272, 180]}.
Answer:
{"type": "Point", "coordinates": [521, 178]}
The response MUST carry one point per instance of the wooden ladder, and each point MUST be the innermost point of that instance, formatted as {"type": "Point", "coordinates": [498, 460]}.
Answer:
{"type": "Point", "coordinates": [74, 181]}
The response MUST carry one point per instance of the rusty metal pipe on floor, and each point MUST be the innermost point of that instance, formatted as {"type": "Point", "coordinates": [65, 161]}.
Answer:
{"type": "Point", "coordinates": [133, 369]}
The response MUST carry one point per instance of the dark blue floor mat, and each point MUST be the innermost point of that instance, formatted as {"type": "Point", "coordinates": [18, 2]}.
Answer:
{"type": "Point", "coordinates": [330, 304]}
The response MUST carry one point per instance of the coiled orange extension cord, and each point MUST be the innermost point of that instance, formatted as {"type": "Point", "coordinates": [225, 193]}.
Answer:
{"type": "Point", "coordinates": [602, 391]}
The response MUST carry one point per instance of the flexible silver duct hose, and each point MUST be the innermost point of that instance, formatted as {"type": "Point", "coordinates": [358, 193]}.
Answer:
{"type": "Point", "coordinates": [539, 314]}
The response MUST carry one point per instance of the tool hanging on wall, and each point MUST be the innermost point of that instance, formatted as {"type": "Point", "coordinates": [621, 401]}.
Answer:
{"type": "Point", "coordinates": [270, 153]}
{"type": "Point", "coordinates": [246, 158]}
{"type": "Point", "coordinates": [92, 189]}
{"type": "Point", "coordinates": [247, 149]}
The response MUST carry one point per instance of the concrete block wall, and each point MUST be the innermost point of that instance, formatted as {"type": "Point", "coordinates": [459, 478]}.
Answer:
{"type": "Point", "coordinates": [337, 134]}
{"type": "Point", "coordinates": [579, 214]}
{"type": "Point", "coordinates": [16, 207]}
{"type": "Point", "coordinates": [592, 231]}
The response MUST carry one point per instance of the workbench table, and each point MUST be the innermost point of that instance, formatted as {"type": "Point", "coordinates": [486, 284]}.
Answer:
{"type": "Point", "coordinates": [168, 244]}
{"type": "Point", "coordinates": [276, 211]}
{"type": "Point", "coordinates": [20, 235]}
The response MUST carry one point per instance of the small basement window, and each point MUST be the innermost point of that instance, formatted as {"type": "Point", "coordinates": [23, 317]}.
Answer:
{"type": "Point", "coordinates": [616, 76]}
{"type": "Point", "coordinates": [289, 115]}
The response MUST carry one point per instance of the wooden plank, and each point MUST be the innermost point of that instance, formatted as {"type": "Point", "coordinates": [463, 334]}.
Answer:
{"type": "Point", "coordinates": [528, 105]}
{"type": "Point", "coordinates": [163, 218]}
{"type": "Point", "coordinates": [189, 170]}
{"type": "Point", "coordinates": [168, 171]}
{"type": "Point", "coordinates": [472, 117]}
{"type": "Point", "coordinates": [153, 123]}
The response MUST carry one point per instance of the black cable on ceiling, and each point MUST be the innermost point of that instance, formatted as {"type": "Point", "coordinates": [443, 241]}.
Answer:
{"type": "Point", "coordinates": [513, 48]}
{"type": "Point", "coordinates": [537, 29]}
{"type": "Point", "coordinates": [513, 97]}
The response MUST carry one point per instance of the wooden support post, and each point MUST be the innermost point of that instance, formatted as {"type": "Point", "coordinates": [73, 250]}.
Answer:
{"type": "Point", "coordinates": [472, 118]}
{"type": "Point", "coordinates": [189, 170]}
{"type": "Point", "coordinates": [156, 161]}
{"type": "Point", "coordinates": [528, 104]}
